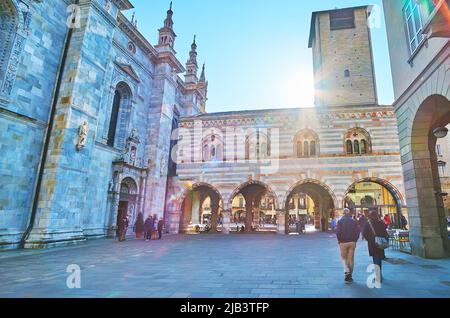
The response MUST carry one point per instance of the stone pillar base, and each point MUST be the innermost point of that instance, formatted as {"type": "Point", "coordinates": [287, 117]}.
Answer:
{"type": "Point", "coordinates": [281, 223]}
{"type": "Point", "coordinates": [430, 248]}
{"type": "Point", "coordinates": [38, 239]}
{"type": "Point", "coordinates": [226, 223]}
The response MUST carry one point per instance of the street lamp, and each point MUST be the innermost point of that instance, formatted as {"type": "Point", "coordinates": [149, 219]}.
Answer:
{"type": "Point", "coordinates": [440, 132]}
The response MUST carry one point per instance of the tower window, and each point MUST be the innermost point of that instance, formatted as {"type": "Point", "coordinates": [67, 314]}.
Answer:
{"type": "Point", "coordinates": [413, 21]}
{"type": "Point", "coordinates": [342, 19]}
{"type": "Point", "coordinates": [347, 73]}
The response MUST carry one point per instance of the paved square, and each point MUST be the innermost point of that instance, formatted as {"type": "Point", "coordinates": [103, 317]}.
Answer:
{"type": "Point", "coordinates": [216, 266]}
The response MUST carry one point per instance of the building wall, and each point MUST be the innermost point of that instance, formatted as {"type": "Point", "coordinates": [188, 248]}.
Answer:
{"type": "Point", "coordinates": [405, 67]}
{"type": "Point", "coordinates": [418, 81]}
{"type": "Point", "coordinates": [333, 168]}
{"type": "Point", "coordinates": [24, 109]}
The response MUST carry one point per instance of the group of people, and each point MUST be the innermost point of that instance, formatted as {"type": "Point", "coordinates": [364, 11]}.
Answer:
{"type": "Point", "coordinates": [151, 229]}
{"type": "Point", "coordinates": [348, 232]}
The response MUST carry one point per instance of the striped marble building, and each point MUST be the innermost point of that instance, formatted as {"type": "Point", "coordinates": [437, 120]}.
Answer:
{"type": "Point", "coordinates": [325, 152]}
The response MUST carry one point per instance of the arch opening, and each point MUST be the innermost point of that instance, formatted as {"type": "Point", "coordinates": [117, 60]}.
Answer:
{"type": "Point", "coordinates": [309, 207]}
{"type": "Point", "coordinates": [425, 168]}
{"type": "Point", "coordinates": [253, 208]}
{"type": "Point", "coordinates": [201, 210]}
{"type": "Point", "coordinates": [373, 194]}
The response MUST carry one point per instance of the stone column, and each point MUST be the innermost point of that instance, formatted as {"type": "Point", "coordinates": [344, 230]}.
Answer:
{"type": "Point", "coordinates": [281, 222]}
{"type": "Point", "coordinates": [195, 208]}
{"type": "Point", "coordinates": [226, 222]}
{"type": "Point", "coordinates": [248, 214]}
{"type": "Point", "coordinates": [214, 215]}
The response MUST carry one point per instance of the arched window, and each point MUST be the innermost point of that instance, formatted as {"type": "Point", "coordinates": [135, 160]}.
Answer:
{"type": "Point", "coordinates": [306, 148]}
{"type": "Point", "coordinates": [119, 116]}
{"type": "Point", "coordinates": [312, 147]}
{"type": "Point", "coordinates": [8, 26]}
{"type": "Point", "coordinates": [349, 147]}
{"type": "Point", "coordinates": [212, 148]}
{"type": "Point", "coordinates": [306, 144]}
{"type": "Point", "coordinates": [347, 73]}
{"type": "Point", "coordinates": [257, 146]}
{"type": "Point", "coordinates": [205, 153]}
{"type": "Point", "coordinates": [357, 142]}
{"type": "Point", "coordinates": [299, 149]}
{"type": "Point", "coordinates": [363, 146]}
{"type": "Point", "coordinates": [356, 147]}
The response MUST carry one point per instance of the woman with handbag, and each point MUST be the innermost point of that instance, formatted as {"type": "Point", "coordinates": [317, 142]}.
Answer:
{"type": "Point", "coordinates": [378, 240]}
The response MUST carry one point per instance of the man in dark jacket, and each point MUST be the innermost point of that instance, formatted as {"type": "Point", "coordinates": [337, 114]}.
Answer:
{"type": "Point", "coordinates": [347, 235]}
{"type": "Point", "coordinates": [148, 226]}
{"type": "Point", "coordinates": [160, 228]}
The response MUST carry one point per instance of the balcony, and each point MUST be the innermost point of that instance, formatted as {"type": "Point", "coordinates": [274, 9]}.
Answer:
{"type": "Point", "coordinates": [438, 23]}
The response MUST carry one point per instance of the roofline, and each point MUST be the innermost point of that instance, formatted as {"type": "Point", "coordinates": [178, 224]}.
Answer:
{"type": "Point", "coordinates": [285, 110]}
{"type": "Point", "coordinates": [124, 4]}
{"type": "Point", "coordinates": [316, 13]}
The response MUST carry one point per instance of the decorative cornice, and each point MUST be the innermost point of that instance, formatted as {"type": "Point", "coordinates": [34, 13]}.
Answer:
{"type": "Point", "coordinates": [136, 36]}
{"type": "Point", "coordinates": [230, 119]}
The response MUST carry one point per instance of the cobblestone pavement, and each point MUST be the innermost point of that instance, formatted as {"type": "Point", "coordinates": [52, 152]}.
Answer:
{"type": "Point", "coordinates": [203, 266]}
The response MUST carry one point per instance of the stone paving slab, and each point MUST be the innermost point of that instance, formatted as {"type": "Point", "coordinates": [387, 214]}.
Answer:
{"type": "Point", "coordinates": [236, 266]}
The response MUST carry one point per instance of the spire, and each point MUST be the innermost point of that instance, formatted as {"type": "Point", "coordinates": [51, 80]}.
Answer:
{"type": "Point", "coordinates": [166, 34]}
{"type": "Point", "coordinates": [202, 76]}
{"type": "Point", "coordinates": [191, 64]}
{"type": "Point", "coordinates": [168, 22]}
{"type": "Point", "coordinates": [193, 53]}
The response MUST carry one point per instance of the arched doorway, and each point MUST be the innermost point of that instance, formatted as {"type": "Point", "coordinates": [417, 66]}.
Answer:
{"type": "Point", "coordinates": [310, 202]}
{"type": "Point", "coordinates": [201, 209]}
{"type": "Point", "coordinates": [128, 201]}
{"type": "Point", "coordinates": [254, 207]}
{"type": "Point", "coordinates": [428, 228]}
{"type": "Point", "coordinates": [373, 194]}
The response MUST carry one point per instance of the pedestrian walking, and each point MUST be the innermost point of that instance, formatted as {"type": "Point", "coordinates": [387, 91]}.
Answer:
{"type": "Point", "coordinates": [148, 226]}
{"type": "Point", "coordinates": [377, 241]}
{"type": "Point", "coordinates": [123, 227]}
{"type": "Point", "coordinates": [362, 224]}
{"type": "Point", "coordinates": [160, 228]}
{"type": "Point", "coordinates": [347, 234]}
{"type": "Point", "coordinates": [155, 227]}
{"type": "Point", "coordinates": [387, 221]}
{"type": "Point", "coordinates": [404, 222]}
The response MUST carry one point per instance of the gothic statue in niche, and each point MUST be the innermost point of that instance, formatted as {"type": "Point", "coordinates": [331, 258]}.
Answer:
{"type": "Point", "coordinates": [131, 148]}
{"type": "Point", "coordinates": [83, 131]}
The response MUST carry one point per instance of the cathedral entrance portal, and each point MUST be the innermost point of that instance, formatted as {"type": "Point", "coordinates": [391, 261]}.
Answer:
{"type": "Point", "coordinates": [127, 203]}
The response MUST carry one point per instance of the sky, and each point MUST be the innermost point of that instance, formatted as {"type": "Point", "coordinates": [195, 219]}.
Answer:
{"type": "Point", "coordinates": [256, 51]}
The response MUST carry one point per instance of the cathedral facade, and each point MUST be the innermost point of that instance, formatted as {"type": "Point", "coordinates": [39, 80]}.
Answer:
{"type": "Point", "coordinates": [97, 123]}
{"type": "Point", "coordinates": [87, 106]}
